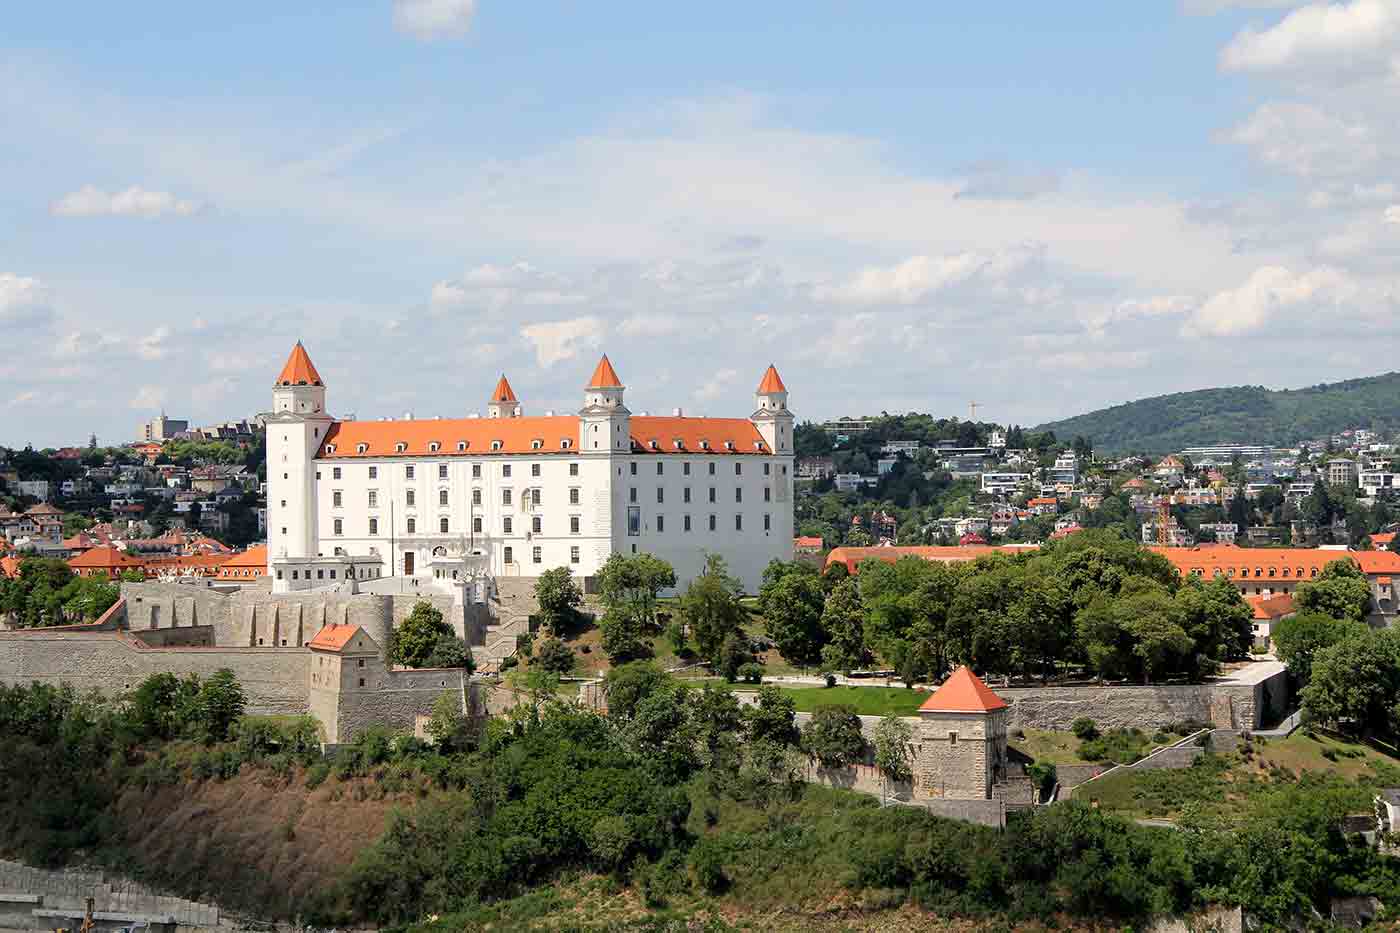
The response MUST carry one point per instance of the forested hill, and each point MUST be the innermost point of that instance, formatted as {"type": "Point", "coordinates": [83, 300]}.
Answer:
{"type": "Point", "coordinates": [1240, 414]}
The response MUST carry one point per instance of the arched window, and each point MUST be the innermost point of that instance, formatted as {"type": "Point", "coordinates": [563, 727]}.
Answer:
{"type": "Point", "coordinates": [442, 525]}
{"type": "Point", "coordinates": [565, 443]}
{"type": "Point", "coordinates": [400, 447]}
{"type": "Point", "coordinates": [434, 447]}
{"type": "Point", "coordinates": [461, 446]}
{"type": "Point", "coordinates": [361, 448]}
{"type": "Point", "coordinates": [330, 448]}
{"type": "Point", "coordinates": [412, 525]}
{"type": "Point", "coordinates": [496, 445]}
{"type": "Point", "coordinates": [536, 444]}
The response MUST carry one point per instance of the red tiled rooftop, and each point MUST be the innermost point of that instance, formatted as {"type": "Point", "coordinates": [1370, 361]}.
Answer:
{"type": "Point", "coordinates": [963, 692]}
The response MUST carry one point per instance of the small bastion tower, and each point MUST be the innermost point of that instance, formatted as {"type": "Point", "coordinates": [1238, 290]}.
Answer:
{"type": "Point", "coordinates": [961, 740]}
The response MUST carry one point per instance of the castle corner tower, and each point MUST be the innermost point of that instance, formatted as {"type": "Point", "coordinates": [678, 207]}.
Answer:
{"type": "Point", "coordinates": [296, 428]}
{"type": "Point", "coordinates": [771, 415]}
{"type": "Point", "coordinates": [503, 402]}
{"type": "Point", "coordinates": [604, 420]}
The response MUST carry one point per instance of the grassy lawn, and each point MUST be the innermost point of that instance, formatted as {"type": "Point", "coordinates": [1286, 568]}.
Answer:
{"type": "Point", "coordinates": [1231, 786]}
{"type": "Point", "coordinates": [867, 701]}
{"type": "Point", "coordinates": [1056, 748]}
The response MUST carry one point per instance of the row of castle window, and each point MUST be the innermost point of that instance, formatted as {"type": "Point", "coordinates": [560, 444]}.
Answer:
{"type": "Point", "coordinates": [537, 555]}
{"type": "Point", "coordinates": [537, 524]}
{"type": "Point", "coordinates": [685, 494]}
{"type": "Point", "coordinates": [410, 471]}
{"type": "Point", "coordinates": [535, 496]}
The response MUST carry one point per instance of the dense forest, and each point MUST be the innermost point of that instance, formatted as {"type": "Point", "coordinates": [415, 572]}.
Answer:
{"type": "Point", "coordinates": [1241, 414]}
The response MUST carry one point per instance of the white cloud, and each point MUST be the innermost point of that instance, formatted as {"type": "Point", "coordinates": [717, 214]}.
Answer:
{"type": "Point", "coordinates": [493, 288]}
{"type": "Point", "coordinates": [1268, 292]}
{"type": "Point", "coordinates": [555, 341]}
{"type": "Point", "coordinates": [434, 19]}
{"type": "Point", "coordinates": [148, 397]}
{"type": "Point", "coordinates": [153, 345]}
{"type": "Point", "coordinates": [1392, 214]}
{"type": "Point", "coordinates": [920, 277]}
{"type": "Point", "coordinates": [717, 385]}
{"type": "Point", "coordinates": [1207, 7]}
{"type": "Point", "coordinates": [90, 201]}
{"type": "Point", "coordinates": [24, 302]}
{"type": "Point", "coordinates": [1335, 37]}
{"type": "Point", "coordinates": [82, 343]}
{"type": "Point", "coordinates": [1307, 141]}
{"type": "Point", "coordinates": [650, 325]}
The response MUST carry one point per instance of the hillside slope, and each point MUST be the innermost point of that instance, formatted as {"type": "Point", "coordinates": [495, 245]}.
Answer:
{"type": "Point", "coordinates": [1239, 414]}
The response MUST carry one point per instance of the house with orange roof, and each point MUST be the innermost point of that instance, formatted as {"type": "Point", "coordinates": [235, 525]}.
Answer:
{"type": "Point", "coordinates": [104, 562]}
{"type": "Point", "coordinates": [853, 557]}
{"type": "Point", "coordinates": [960, 740]}
{"type": "Point", "coordinates": [249, 566]}
{"type": "Point", "coordinates": [459, 501]}
{"type": "Point", "coordinates": [1267, 610]}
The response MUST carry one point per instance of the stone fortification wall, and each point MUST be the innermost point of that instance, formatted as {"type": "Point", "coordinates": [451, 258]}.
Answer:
{"type": "Point", "coordinates": [274, 679]}
{"type": "Point", "coordinates": [1226, 705]}
{"type": "Point", "coordinates": [54, 896]}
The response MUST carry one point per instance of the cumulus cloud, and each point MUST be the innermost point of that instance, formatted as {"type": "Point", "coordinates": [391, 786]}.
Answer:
{"type": "Point", "coordinates": [153, 345]}
{"type": "Point", "coordinates": [1336, 37]}
{"type": "Point", "coordinates": [555, 341]}
{"type": "Point", "coordinates": [1392, 214]}
{"type": "Point", "coordinates": [91, 201]}
{"type": "Point", "coordinates": [920, 277]}
{"type": "Point", "coordinates": [1268, 292]}
{"type": "Point", "coordinates": [493, 287]}
{"type": "Point", "coordinates": [24, 302]}
{"type": "Point", "coordinates": [148, 397]}
{"type": "Point", "coordinates": [434, 19]}
{"type": "Point", "coordinates": [717, 385]}
{"type": "Point", "coordinates": [996, 181]}
{"type": "Point", "coordinates": [1306, 140]}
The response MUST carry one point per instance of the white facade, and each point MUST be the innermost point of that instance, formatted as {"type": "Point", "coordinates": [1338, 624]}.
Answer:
{"type": "Point", "coordinates": [1003, 484]}
{"type": "Point", "coordinates": [513, 495]}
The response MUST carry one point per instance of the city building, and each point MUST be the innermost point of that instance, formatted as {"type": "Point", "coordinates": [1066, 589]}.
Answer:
{"type": "Point", "coordinates": [462, 502]}
{"type": "Point", "coordinates": [1377, 482]}
{"type": "Point", "coordinates": [1341, 471]}
{"type": "Point", "coordinates": [1225, 454]}
{"type": "Point", "coordinates": [160, 429]}
{"type": "Point", "coordinates": [1003, 484]}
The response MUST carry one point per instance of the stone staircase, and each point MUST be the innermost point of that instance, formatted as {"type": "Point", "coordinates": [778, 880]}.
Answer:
{"type": "Point", "coordinates": [37, 898]}
{"type": "Point", "coordinates": [511, 607]}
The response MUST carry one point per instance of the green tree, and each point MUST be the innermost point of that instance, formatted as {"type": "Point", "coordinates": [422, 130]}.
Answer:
{"type": "Point", "coordinates": [450, 651]}
{"type": "Point", "coordinates": [661, 731]}
{"type": "Point", "coordinates": [1340, 591]}
{"type": "Point", "coordinates": [833, 738]}
{"type": "Point", "coordinates": [732, 656]}
{"type": "Point", "coordinates": [843, 622]}
{"type": "Point", "coordinates": [1355, 683]}
{"type": "Point", "coordinates": [773, 718]}
{"type": "Point", "coordinates": [559, 598]}
{"type": "Point", "coordinates": [416, 638]}
{"type": "Point", "coordinates": [894, 750]}
{"type": "Point", "coordinates": [1217, 619]}
{"type": "Point", "coordinates": [162, 705]}
{"type": "Point", "coordinates": [623, 639]}
{"type": "Point", "coordinates": [631, 585]}
{"type": "Point", "coordinates": [719, 724]}
{"type": "Point", "coordinates": [791, 600]}
{"type": "Point", "coordinates": [626, 685]}
{"type": "Point", "coordinates": [1298, 638]}
{"type": "Point", "coordinates": [554, 655]}
{"type": "Point", "coordinates": [711, 606]}
{"type": "Point", "coordinates": [218, 705]}
{"type": "Point", "coordinates": [448, 726]}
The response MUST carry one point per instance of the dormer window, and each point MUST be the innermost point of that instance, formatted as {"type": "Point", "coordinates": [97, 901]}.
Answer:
{"type": "Point", "coordinates": [704, 445]}
{"type": "Point", "coordinates": [728, 445]}
{"type": "Point", "coordinates": [758, 445]}
{"type": "Point", "coordinates": [497, 445]}
{"type": "Point", "coordinates": [653, 444]}
{"type": "Point", "coordinates": [565, 443]}
{"type": "Point", "coordinates": [330, 448]}
{"type": "Point", "coordinates": [434, 447]}
{"type": "Point", "coordinates": [678, 444]}
{"type": "Point", "coordinates": [536, 444]}
{"type": "Point", "coordinates": [361, 448]}
{"type": "Point", "coordinates": [461, 446]}
{"type": "Point", "coordinates": [400, 447]}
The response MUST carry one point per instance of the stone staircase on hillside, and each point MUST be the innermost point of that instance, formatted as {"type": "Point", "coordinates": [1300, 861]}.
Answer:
{"type": "Point", "coordinates": [59, 896]}
{"type": "Point", "coordinates": [511, 606]}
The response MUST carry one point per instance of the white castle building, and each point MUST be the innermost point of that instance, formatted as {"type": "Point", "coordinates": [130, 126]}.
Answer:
{"type": "Point", "coordinates": [469, 499]}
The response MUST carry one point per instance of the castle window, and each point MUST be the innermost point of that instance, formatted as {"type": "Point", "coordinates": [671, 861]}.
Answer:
{"type": "Point", "coordinates": [412, 525]}
{"type": "Point", "coordinates": [704, 445]}
{"type": "Point", "coordinates": [565, 443]}
{"type": "Point", "coordinates": [361, 448]}
{"type": "Point", "coordinates": [506, 525]}
{"type": "Point", "coordinates": [767, 493]}
{"type": "Point", "coordinates": [738, 469]}
{"type": "Point", "coordinates": [400, 447]}
{"type": "Point", "coordinates": [509, 555]}
{"type": "Point", "coordinates": [654, 445]}
{"type": "Point", "coordinates": [505, 469]}
{"type": "Point", "coordinates": [728, 445]}
{"type": "Point", "coordinates": [442, 497]}
{"type": "Point", "coordinates": [408, 471]}
{"type": "Point", "coordinates": [632, 494]}
{"type": "Point", "coordinates": [712, 523]}
{"type": "Point", "coordinates": [339, 526]}
{"type": "Point", "coordinates": [767, 522]}
{"type": "Point", "coordinates": [434, 447]}
{"type": "Point", "coordinates": [660, 495]}
{"type": "Point", "coordinates": [952, 738]}
{"type": "Point", "coordinates": [496, 445]}
{"type": "Point", "coordinates": [476, 525]}
{"type": "Point", "coordinates": [374, 498]}
{"type": "Point", "coordinates": [536, 444]}
{"type": "Point", "coordinates": [476, 471]}
{"type": "Point", "coordinates": [574, 554]}
{"type": "Point", "coordinates": [712, 469]}
{"type": "Point", "coordinates": [461, 446]}
{"type": "Point", "coordinates": [536, 524]}
{"type": "Point", "coordinates": [738, 523]}
{"type": "Point", "coordinates": [633, 465]}
{"type": "Point", "coordinates": [678, 444]}
{"type": "Point", "coordinates": [685, 523]}
{"type": "Point", "coordinates": [362, 681]}
{"type": "Point", "coordinates": [537, 555]}
{"type": "Point", "coordinates": [330, 448]}
{"type": "Point", "coordinates": [712, 494]}
{"type": "Point", "coordinates": [685, 494]}
{"type": "Point", "coordinates": [476, 497]}
{"type": "Point", "coordinates": [660, 524]}
{"type": "Point", "coordinates": [374, 472]}
{"type": "Point", "coordinates": [758, 445]}
{"type": "Point", "coordinates": [409, 497]}
{"type": "Point", "coordinates": [374, 526]}
{"type": "Point", "coordinates": [1300, 571]}
{"type": "Point", "coordinates": [360, 662]}
{"type": "Point", "coordinates": [739, 494]}
{"type": "Point", "coordinates": [505, 497]}
{"type": "Point", "coordinates": [534, 469]}
{"type": "Point", "coordinates": [573, 524]}
{"type": "Point", "coordinates": [535, 495]}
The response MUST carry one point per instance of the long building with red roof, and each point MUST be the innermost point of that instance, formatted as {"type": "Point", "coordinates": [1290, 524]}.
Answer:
{"type": "Point", "coordinates": [446, 499]}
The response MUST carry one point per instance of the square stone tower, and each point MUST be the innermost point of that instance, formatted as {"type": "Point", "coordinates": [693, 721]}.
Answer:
{"type": "Point", "coordinates": [960, 741]}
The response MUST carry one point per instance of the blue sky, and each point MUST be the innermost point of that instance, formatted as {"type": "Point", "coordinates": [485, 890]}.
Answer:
{"type": "Point", "coordinates": [1045, 208]}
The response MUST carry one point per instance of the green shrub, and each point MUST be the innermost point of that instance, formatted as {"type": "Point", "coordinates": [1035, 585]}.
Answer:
{"type": "Point", "coordinates": [751, 673]}
{"type": "Point", "coordinates": [316, 774]}
{"type": "Point", "coordinates": [707, 860]}
{"type": "Point", "coordinates": [1084, 729]}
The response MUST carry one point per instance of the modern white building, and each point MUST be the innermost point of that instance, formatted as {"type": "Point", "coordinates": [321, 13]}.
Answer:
{"type": "Point", "coordinates": [514, 495]}
{"type": "Point", "coordinates": [1003, 484]}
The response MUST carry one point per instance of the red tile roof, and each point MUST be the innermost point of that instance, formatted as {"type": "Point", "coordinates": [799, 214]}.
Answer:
{"type": "Point", "coordinates": [103, 558]}
{"type": "Point", "coordinates": [1381, 539]}
{"type": "Point", "coordinates": [255, 556]}
{"type": "Point", "coordinates": [333, 637]}
{"type": "Point", "coordinates": [1267, 608]}
{"type": "Point", "coordinates": [807, 541]}
{"type": "Point", "coordinates": [604, 376]}
{"type": "Point", "coordinates": [1279, 563]}
{"type": "Point", "coordinates": [853, 556]}
{"type": "Point", "coordinates": [519, 436]}
{"type": "Point", "coordinates": [503, 392]}
{"type": "Point", "coordinates": [299, 370]}
{"type": "Point", "coordinates": [963, 692]}
{"type": "Point", "coordinates": [771, 381]}
{"type": "Point", "coordinates": [9, 567]}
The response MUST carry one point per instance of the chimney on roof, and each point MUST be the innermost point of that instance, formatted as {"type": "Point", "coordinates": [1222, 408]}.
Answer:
{"type": "Point", "coordinates": [549, 412]}
{"type": "Point", "coordinates": [644, 413]}
{"type": "Point", "coordinates": [408, 416]}
{"type": "Point", "coordinates": [676, 412]}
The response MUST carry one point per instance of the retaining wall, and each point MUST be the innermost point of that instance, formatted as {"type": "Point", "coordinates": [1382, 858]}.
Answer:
{"type": "Point", "coordinates": [35, 898]}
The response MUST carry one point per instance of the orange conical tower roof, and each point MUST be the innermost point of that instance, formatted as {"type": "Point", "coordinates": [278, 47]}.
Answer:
{"type": "Point", "coordinates": [299, 371]}
{"type": "Point", "coordinates": [604, 376]}
{"type": "Point", "coordinates": [963, 692]}
{"type": "Point", "coordinates": [771, 382]}
{"type": "Point", "coordinates": [503, 392]}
